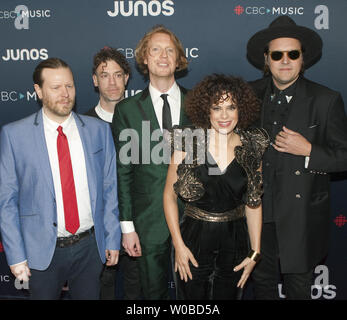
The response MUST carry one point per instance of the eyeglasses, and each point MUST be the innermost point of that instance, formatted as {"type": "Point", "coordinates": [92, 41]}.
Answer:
{"type": "Point", "coordinates": [157, 51]}
{"type": "Point", "coordinates": [278, 55]}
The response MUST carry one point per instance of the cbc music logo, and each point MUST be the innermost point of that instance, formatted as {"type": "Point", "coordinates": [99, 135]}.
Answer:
{"type": "Point", "coordinates": [19, 285]}
{"type": "Point", "coordinates": [21, 15]}
{"type": "Point", "coordinates": [5, 278]}
{"type": "Point", "coordinates": [189, 52]}
{"type": "Point", "coordinates": [239, 10]}
{"type": "Point", "coordinates": [15, 96]}
{"type": "Point", "coordinates": [340, 220]}
{"type": "Point", "coordinates": [136, 8]}
{"type": "Point", "coordinates": [321, 289]}
{"type": "Point", "coordinates": [25, 54]}
{"type": "Point", "coordinates": [321, 21]}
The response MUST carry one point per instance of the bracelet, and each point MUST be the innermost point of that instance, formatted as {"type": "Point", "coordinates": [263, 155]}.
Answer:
{"type": "Point", "coordinates": [253, 255]}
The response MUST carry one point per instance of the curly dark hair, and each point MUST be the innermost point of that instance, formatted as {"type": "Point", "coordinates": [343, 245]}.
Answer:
{"type": "Point", "coordinates": [209, 92]}
{"type": "Point", "coordinates": [108, 53]}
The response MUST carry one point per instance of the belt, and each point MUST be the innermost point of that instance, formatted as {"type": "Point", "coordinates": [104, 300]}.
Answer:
{"type": "Point", "coordinates": [63, 242]}
{"type": "Point", "coordinates": [200, 214]}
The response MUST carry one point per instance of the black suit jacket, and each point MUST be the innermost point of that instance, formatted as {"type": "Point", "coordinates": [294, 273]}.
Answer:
{"type": "Point", "coordinates": [302, 203]}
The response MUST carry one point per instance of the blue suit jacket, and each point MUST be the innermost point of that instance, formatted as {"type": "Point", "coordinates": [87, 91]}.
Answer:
{"type": "Point", "coordinates": [28, 214]}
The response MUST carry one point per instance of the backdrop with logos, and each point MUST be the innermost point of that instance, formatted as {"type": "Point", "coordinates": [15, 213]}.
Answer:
{"type": "Point", "coordinates": [214, 35]}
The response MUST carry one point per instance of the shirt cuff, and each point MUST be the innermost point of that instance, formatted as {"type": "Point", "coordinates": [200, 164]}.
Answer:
{"type": "Point", "coordinates": [127, 226]}
{"type": "Point", "coordinates": [307, 160]}
{"type": "Point", "coordinates": [16, 264]}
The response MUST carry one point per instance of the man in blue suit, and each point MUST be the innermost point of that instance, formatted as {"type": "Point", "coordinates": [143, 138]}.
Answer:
{"type": "Point", "coordinates": [58, 192]}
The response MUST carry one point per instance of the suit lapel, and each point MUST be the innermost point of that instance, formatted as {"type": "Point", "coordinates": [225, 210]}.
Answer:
{"type": "Point", "coordinates": [41, 147]}
{"type": "Point", "coordinates": [264, 93]}
{"type": "Point", "coordinates": [299, 115]}
{"type": "Point", "coordinates": [300, 110]}
{"type": "Point", "coordinates": [183, 117]}
{"type": "Point", "coordinates": [261, 88]}
{"type": "Point", "coordinates": [146, 109]}
{"type": "Point", "coordinates": [87, 144]}
{"type": "Point", "coordinates": [43, 158]}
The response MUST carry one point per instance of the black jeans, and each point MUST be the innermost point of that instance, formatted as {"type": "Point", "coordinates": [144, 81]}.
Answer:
{"type": "Point", "coordinates": [217, 247]}
{"type": "Point", "coordinates": [267, 273]}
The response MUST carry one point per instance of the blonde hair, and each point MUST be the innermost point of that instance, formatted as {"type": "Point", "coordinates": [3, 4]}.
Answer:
{"type": "Point", "coordinates": [142, 46]}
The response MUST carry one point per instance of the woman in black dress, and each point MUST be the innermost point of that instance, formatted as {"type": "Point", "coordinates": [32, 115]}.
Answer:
{"type": "Point", "coordinates": [215, 171]}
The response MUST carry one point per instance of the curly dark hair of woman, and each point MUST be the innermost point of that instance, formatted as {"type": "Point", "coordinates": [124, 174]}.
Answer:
{"type": "Point", "coordinates": [209, 92]}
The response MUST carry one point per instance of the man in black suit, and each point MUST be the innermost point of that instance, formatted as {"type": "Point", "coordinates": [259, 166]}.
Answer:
{"type": "Point", "coordinates": [111, 72]}
{"type": "Point", "coordinates": [307, 126]}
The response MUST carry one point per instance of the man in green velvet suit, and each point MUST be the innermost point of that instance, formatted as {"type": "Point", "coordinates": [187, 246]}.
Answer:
{"type": "Point", "coordinates": [137, 121]}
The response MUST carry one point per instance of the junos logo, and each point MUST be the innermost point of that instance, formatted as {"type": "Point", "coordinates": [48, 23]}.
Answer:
{"type": "Point", "coordinates": [25, 54]}
{"type": "Point", "coordinates": [135, 8]}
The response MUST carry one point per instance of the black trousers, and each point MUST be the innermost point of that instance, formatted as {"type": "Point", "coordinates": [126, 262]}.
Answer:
{"type": "Point", "coordinates": [144, 277]}
{"type": "Point", "coordinates": [218, 247]}
{"type": "Point", "coordinates": [79, 264]}
{"type": "Point", "coordinates": [131, 278]}
{"type": "Point", "coordinates": [124, 277]}
{"type": "Point", "coordinates": [267, 273]}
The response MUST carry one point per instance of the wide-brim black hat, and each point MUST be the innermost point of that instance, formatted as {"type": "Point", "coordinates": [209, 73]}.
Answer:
{"type": "Point", "coordinates": [285, 27]}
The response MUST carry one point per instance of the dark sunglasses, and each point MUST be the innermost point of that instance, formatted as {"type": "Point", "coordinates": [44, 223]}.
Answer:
{"type": "Point", "coordinates": [278, 55]}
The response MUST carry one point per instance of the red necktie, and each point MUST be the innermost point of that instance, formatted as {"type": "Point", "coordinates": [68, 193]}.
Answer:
{"type": "Point", "coordinates": [67, 183]}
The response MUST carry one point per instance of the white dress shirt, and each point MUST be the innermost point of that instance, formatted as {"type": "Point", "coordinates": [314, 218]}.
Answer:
{"type": "Point", "coordinates": [174, 99]}
{"type": "Point", "coordinates": [103, 114]}
{"type": "Point", "coordinates": [79, 171]}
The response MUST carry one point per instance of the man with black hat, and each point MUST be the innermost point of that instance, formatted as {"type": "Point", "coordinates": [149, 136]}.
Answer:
{"type": "Point", "coordinates": [307, 126]}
